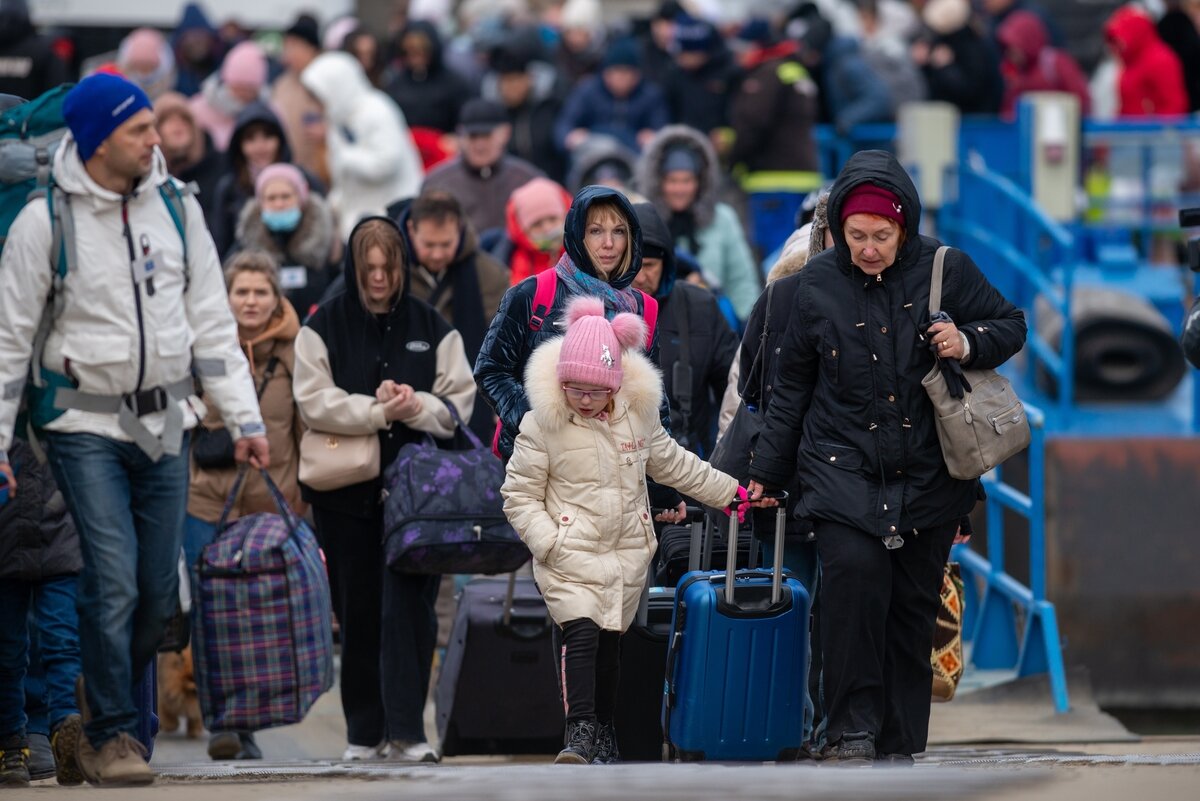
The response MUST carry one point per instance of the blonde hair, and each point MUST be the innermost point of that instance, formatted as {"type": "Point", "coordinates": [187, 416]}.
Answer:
{"type": "Point", "coordinates": [607, 210]}
{"type": "Point", "coordinates": [259, 262]}
{"type": "Point", "coordinates": [386, 237]}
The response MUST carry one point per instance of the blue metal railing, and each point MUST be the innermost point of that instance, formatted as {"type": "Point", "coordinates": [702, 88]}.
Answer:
{"type": "Point", "coordinates": [992, 627]}
{"type": "Point", "coordinates": [1029, 254]}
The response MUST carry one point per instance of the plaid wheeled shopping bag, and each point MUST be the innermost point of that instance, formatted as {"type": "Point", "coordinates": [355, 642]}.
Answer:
{"type": "Point", "coordinates": [263, 639]}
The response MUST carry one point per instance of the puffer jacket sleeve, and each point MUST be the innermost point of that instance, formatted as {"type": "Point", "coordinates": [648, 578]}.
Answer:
{"type": "Point", "coordinates": [215, 331]}
{"type": "Point", "coordinates": [524, 491]}
{"type": "Point", "coordinates": [454, 383]}
{"type": "Point", "coordinates": [774, 463]}
{"type": "Point", "coordinates": [670, 464]}
{"type": "Point", "coordinates": [499, 356]}
{"type": "Point", "coordinates": [996, 328]}
{"type": "Point", "coordinates": [24, 284]}
{"type": "Point", "coordinates": [324, 405]}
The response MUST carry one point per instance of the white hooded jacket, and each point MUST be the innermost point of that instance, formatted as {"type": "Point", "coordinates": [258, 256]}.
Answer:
{"type": "Point", "coordinates": [112, 336]}
{"type": "Point", "coordinates": [373, 161]}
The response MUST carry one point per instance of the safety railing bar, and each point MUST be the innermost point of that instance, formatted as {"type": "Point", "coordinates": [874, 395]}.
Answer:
{"type": "Point", "coordinates": [1021, 200]}
{"type": "Point", "coordinates": [1010, 498]}
{"type": "Point", "coordinates": [973, 563]}
{"type": "Point", "coordinates": [1046, 354]}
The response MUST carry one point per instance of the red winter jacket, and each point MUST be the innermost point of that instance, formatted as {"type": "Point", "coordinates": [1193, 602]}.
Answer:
{"type": "Point", "coordinates": [1032, 65]}
{"type": "Point", "coordinates": [1151, 79]}
{"type": "Point", "coordinates": [525, 259]}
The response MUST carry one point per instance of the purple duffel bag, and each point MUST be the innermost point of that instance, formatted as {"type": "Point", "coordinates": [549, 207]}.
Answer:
{"type": "Point", "coordinates": [264, 632]}
{"type": "Point", "coordinates": [443, 512]}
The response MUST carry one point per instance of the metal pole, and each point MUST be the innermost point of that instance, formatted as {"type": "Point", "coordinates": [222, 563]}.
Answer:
{"type": "Point", "coordinates": [1037, 497]}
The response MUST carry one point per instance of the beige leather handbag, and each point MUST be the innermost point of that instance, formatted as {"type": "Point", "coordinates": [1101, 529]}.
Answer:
{"type": "Point", "coordinates": [984, 427]}
{"type": "Point", "coordinates": [332, 461]}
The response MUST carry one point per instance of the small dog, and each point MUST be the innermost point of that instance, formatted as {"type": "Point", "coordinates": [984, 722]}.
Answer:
{"type": "Point", "coordinates": [177, 696]}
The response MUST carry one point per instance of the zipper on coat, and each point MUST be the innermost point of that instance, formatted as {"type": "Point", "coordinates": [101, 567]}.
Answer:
{"type": "Point", "coordinates": [137, 295]}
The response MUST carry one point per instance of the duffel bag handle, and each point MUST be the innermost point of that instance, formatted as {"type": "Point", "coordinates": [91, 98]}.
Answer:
{"type": "Point", "coordinates": [285, 511]}
{"type": "Point", "coordinates": [463, 427]}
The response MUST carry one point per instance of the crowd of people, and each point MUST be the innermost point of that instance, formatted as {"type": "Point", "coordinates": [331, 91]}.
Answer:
{"type": "Point", "coordinates": [363, 223]}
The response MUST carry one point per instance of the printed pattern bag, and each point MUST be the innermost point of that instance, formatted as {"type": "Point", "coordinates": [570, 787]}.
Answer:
{"type": "Point", "coordinates": [947, 656]}
{"type": "Point", "coordinates": [443, 512]}
{"type": "Point", "coordinates": [264, 634]}
{"type": "Point", "coordinates": [985, 426]}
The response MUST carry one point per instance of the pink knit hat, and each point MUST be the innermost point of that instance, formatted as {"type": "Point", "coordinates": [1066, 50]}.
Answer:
{"type": "Point", "coordinates": [289, 173]}
{"type": "Point", "coordinates": [592, 347]}
{"type": "Point", "coordinates": [537, 199]}
{"type": "Point", "coordinates": [246, 64]}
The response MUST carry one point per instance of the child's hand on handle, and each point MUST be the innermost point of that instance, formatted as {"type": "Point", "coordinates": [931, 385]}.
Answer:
{"type": "Point", "coordinates": [756, 491]}
{"type": "Point", "coordinates": [676, 515]}
{"type": "Point", "coordinates": [742, 495]}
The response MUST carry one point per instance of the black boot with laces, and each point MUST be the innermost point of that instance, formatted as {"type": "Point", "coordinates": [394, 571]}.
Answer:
{"type": "Point", "coordinates": [14, 761]}
{"type": "Point", "coordinates": [581, 743]}
{"type": "Point", "coordinates": [606, 745]}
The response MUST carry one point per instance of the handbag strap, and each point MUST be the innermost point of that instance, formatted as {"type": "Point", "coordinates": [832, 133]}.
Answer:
{"type": "Point", "coordinates": [760, 356]}
{"type": "Point", "coordinates": [935, 280]}
{"type": "Point", "coordinates": [238, 483]}
{"type": "Point", "coordinates": [268, 374]}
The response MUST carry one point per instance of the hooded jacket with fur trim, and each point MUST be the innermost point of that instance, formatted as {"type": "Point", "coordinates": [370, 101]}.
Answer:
{"type": "Point", "coordinates": [575, 490]}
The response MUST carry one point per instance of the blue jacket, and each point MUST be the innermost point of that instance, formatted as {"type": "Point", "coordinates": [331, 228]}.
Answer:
{"type": "Point", "coordinates": [592, 106]}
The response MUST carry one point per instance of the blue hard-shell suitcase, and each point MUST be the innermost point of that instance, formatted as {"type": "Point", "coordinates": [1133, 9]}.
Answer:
{"type": "Point", "coordinates": [738, 663]}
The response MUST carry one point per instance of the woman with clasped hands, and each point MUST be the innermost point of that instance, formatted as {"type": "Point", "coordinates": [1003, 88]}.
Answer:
{"type": "Point", "coordinates": [850, 416]}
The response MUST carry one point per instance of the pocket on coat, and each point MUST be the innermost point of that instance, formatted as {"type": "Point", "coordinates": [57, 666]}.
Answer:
{"type": "Point", "coordinates": [843, 457]}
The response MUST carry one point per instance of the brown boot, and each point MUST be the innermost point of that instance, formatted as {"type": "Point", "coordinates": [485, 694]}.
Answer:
{"type": "Point", "coordinates": [64, 741]}
{"type": "Point", "coordinates": [85, 756]}
{"type": "Point", "coordinates": [122, 761]}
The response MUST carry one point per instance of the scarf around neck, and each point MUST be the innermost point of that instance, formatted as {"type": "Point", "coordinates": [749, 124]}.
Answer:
{"type": "Point", "coordinates": [578, 282]}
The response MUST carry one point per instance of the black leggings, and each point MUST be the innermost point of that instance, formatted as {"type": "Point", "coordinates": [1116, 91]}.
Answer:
{"type": "Point", "coordinates": [589, 668]}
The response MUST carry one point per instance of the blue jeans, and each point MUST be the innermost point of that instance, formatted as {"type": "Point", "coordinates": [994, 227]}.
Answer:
{"type": "Point", "coordinates": [38, 623]}
{"type": "Point", "coordinates": [196, 534]}
{"type": "Point", "coordinates": [129, 511]}
{"type": "Point", "coordinates": [801, 558]}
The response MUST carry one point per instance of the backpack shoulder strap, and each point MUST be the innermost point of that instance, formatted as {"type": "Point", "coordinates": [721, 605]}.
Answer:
{"type": "Point", "coordinates": [935, 281]}
{"type": "Point", "coordinates": [172, 193]}
{"type": "Point", "coordinates": [650, 315]}
{"type": "Point", "coordinates": [543, 298]}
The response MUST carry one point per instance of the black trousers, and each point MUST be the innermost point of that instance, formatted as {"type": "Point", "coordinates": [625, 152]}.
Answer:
{"type": "Point", "coordinates": [589, 669]}
{"type": "Point", "coordinates": [388, 631]}
{"type": "Point", "coordinates": [878, 613]}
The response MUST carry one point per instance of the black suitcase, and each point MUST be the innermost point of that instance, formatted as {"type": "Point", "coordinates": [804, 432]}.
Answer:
{"type": "Point", "coordinates": [497, 692]}
{"type": "Point", "coordinates": [673, 558]}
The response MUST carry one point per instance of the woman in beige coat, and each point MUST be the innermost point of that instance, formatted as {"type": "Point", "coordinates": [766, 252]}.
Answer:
{"type": "Point", "coordinates": [576, 493]}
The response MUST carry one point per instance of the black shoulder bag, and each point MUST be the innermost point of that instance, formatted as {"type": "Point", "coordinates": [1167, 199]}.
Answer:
{"type": "Point", "coordinates": [212, 449]}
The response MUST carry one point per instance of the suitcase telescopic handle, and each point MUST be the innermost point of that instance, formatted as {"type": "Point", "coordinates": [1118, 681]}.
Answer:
{"type": "Point", "coordinates": [777, 568]}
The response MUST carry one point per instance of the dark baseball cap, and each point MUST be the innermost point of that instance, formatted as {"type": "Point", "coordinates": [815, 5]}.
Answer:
{"type": "Point", "coordinates": [481, 116]}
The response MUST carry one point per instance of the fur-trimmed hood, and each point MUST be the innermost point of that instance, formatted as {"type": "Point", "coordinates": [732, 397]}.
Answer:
{"type": "Point", "coordinates": [310, 245]}
{"type": "Point", "coordinates": [649, 171]}
{"type": "Point", "coordinates": [640, 393]}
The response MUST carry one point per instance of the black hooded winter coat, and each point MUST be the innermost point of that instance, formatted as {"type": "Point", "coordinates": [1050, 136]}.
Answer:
{"type": "Point", "coordinates": [712, 345]}
{"type": "Point", "coordinates": [434, 97]}
{"type": "Point", "coordinates": [500, 368]}
{"type": "Point", "coordinates": [848, 392]}
{"type": "Point", "coordinates": [37, 536]}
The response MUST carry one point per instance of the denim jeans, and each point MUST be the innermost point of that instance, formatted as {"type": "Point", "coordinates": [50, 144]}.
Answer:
{"type": "Point", "coordinates": [129, 511]}
{"type": "Point", "coordinates": [801, 558]}
{"type": "Point", "coordinates": [196, 534]}
{"type": "Point", "coordinates": [39, 635]}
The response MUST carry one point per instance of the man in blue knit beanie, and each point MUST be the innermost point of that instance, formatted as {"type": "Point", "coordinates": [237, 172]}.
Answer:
{"type": "Point", "coordinates": [134, 298]}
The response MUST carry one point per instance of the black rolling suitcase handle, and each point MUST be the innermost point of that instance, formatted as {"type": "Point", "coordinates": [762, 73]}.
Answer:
{"type": "Point", "coordinates": [777, 568]}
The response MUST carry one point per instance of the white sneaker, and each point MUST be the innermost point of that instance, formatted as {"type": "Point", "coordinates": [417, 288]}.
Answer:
{"type": "Point", "coordinates": [364, 753]}
{"type": "Point", "coordinates": [409, 751]}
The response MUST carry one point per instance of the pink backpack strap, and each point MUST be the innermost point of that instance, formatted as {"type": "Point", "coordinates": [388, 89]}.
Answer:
{"type": "Point", "coordinates": [650, 315]}
{"type": "Point", "coordinates": [543, 298]}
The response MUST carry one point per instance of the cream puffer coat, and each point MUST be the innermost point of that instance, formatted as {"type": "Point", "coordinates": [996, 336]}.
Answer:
{"type": "Point", "coordinates": [576, 490]}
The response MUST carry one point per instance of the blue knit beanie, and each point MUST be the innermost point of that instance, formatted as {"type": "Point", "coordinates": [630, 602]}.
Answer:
{"type": "Point", "coordinates": [97, 106]}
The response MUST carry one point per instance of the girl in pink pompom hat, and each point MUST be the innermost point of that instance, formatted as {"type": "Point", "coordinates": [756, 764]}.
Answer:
{"type": "Point", "coordinates": [575, 492]}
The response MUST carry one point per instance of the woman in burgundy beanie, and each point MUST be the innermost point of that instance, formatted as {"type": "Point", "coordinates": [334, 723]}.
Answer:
{"type": "Point", "coordinates": [849, 415]}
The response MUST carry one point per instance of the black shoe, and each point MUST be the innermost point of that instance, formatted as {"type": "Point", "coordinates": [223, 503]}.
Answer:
{"type": "Point", "coordinates": [41, 758]}
{"type": "Point", "coordinates": [894, 760]}
{"type": "Point", "coordinates": [250, 749]}
{"type": "Point", "coordinates": [855, 748]}
{"type": "Point", "coordinates": [581, 743]}
{"type": "Point", "coordinates": [606, 745]}
{"type": "Point", "coordinates": [224, 745]}
{"type": "Point", "coordinates": [14, 762]}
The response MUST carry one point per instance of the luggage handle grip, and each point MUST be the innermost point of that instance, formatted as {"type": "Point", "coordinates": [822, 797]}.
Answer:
{"type": "Point", "coordinates": [777, 569]}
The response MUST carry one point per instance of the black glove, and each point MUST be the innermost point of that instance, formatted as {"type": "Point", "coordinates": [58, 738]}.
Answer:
{"type": "Point", "coordinates": [956, 382]}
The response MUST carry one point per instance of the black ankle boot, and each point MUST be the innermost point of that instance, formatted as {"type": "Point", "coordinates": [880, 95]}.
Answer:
{"type": "Point", "coordinates": [606, 745]}
{"type": "Point", "coordinates": [855, 748]}
{"type": "Point", "coordinates": [581, 743]}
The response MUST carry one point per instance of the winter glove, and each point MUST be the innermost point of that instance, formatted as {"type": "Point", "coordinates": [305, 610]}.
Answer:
{"type": "Point", "coordinates": [741, 511]}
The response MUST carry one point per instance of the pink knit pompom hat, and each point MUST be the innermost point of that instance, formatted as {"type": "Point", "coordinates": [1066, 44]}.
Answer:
{"type": "Point", "coordinates": [592, 347]}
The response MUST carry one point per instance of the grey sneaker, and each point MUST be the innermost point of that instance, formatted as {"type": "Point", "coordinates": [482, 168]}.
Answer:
{"type": "Point", "coordinates": [854, 749]}
{"type": "Point", "coordinates": [41, 757]}
{"type": "Point", "coordinates": [411, 751]}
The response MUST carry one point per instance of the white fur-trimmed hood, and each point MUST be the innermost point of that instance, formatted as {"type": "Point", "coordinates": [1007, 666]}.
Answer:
{"type": "Point", "coordinates": [640, 393]}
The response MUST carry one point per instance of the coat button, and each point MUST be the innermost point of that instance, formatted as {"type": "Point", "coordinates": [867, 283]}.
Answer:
{"type": "Point", "coordinates": [385, 364]}
{"type": "Point", "coordinates": [628, 460]}
{"type": "Point", "coordinates": [883, 329]}
{"type": "Point", "coordinates": [899, 472]}
{"type": "Point", "coordinates": [892, 529]}
{"type": "Point", "coordinates": [778, 351]}
{"type": "Point", "coordinates": [833, 458]}
{"type": "Point", "coordinates": [566, 519]}
{"type": "Point", "coordinates": [891, 398]}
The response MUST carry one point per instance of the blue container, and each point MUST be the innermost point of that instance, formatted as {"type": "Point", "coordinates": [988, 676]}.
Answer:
{"type": "Point", "coordinates": [737, 672]}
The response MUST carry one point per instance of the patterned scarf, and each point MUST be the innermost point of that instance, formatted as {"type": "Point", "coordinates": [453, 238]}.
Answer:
{"type": "Point", "coordinates": [578, 282]}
